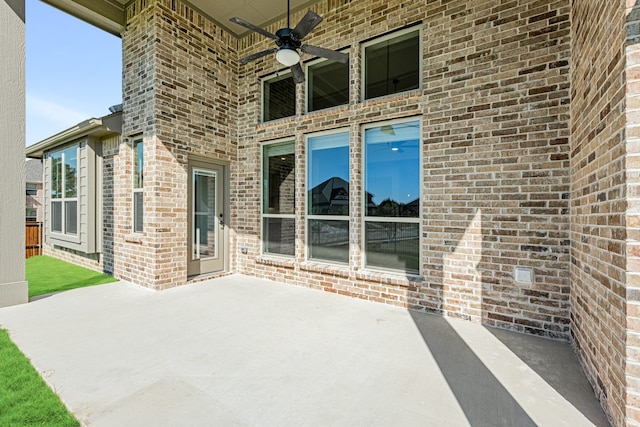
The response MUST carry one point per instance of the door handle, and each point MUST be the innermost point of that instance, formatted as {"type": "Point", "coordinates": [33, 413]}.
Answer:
{"type": "Point", "coordinates": [221, 219]}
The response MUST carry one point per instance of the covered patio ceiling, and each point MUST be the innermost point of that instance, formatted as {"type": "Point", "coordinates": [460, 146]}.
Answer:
{"type": "Point", "coordinates": [109, 14]}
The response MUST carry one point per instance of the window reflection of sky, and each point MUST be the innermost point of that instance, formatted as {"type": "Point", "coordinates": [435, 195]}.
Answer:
{"type": "Point", "coordinates": [328, 158]}
{"type": "Point", "coordinates": [392, 159]}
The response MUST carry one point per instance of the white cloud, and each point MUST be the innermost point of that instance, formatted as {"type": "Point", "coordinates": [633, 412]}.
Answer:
{"type": "Point", "coordinates": [52, 112]}
{"type": "Point", "coordinates": [46, 118]}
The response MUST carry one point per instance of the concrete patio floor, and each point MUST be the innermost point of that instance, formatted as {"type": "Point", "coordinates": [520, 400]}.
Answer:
{"type": "Point", "coordinates": [239, 351]}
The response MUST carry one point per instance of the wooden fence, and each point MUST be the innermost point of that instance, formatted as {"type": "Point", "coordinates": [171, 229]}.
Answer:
{"type": "Point", "coordinates": [33, 239]}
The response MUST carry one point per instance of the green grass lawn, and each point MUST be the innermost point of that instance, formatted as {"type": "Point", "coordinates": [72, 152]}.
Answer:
{"type": "Point", "coordinates": [25, 399]}
{"type": "Point", "coordinates": [46, 275]}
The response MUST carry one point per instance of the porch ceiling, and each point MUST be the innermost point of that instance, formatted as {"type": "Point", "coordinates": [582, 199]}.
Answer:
{"type": "Point", "coordinates": [109, 14]}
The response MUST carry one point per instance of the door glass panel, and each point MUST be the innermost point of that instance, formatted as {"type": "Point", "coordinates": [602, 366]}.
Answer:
{"type": "Point", "coordinates": [204, 215]}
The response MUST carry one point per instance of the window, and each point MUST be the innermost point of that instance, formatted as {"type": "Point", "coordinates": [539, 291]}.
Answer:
{"type": "Point", "coordinates": [392, 196]}
{"type": "Point", "coordinates": [64, 191]}
{"type": "Point", "coordinates": [32, 189]}
{"type": "Point", "coordinates": [138, 173]}
{"type": "Point", "coordinates": [278, 199]}
{"type": "Point", "coordinates": [328, 197]}
{"type": "Point", "coordinates": [328, 84]}
{"type": "Point", "coordinates": [31, 215]}
{"type": "Point", "coordinates": [392, 64]}
{"type": "Point", "coordinates": [278, 97]}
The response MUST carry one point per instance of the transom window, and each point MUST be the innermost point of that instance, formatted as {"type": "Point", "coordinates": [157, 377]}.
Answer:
{"type": "Point", "coordinates": [64, 191]}
{"type": "Point", "coordinates": [328, 197]}
{"type": "Point", "coordinates": [392, 196]}
{"type": "Point", "coordinates": [391, 64]}
{"type": "Point", "coordinates": [278, 199]}
{"type": "Point", "coordinates": [328, 84]}
{"type": "Point", "coordinates": [278, 97]}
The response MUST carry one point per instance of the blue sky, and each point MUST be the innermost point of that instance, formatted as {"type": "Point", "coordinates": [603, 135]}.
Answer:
{"type": "Point", "coordinates": [73, 71]}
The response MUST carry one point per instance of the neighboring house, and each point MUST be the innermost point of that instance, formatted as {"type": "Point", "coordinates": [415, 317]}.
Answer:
{"type": "Point", "coordinates": [34, 192]}
{"type": "Point", "coordinates": [490, 150]}
{"type": "Point", "coordinates": [78, 198]}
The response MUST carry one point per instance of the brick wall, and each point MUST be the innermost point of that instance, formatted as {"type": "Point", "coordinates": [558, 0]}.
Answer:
{"type": "Point", "coordinates": [598, 198]}
{"type": "Point", "coordinates": [180, 96]}
{"type": "Point", "coordinates": [494, 107]}
{"type": "Point", "coordinates": [632, 167]}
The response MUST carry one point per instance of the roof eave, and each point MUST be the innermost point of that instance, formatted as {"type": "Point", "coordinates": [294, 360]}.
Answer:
{"type": "Point", "coordinates": [85, 128]}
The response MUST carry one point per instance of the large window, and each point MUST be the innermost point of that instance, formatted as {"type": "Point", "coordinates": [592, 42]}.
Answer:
{"type": "Point", "coordinates": [328, 197]}
{"type": "Point", "coordinates": [278, 97]}
{"type": "Point", "coordinates": [64, 191]}
{"type": "Point", "coordinates": [392, 64]}
{"type": "Point", "coordinates": [328, 84]}
{"type": "Point", "coordinates": [138, 174]}
{"type": "Point", "coordinates": [278, 203]}
{"type": "Point", "coordinates": [392, 196]}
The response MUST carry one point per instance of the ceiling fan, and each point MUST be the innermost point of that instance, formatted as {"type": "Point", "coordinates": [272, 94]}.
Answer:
{"type": "Point", "coordinates": [289, 41]}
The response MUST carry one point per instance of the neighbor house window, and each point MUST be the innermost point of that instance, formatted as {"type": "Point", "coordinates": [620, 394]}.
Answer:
{"type": "Point", "coordinates": [278, 97]}
{"type": "Point", "coordinates": [392, 196]}
{"type": "Point", "coordinates": [392, 64]}
{"type": "Point", "coordinates": [32, 215]}
{"type": "Point", "coordinates": [328, 197]}
{"type": "Point", "coordinates": [278, 199]}
{"type": "Point", "coordinates": [328, 84]}
{"type": "Point", "coordinates": [64, 191]}
{"type": "Point", "coordinates": [138, 174]}
{"type": "Point", "coordinates": [32, 189]}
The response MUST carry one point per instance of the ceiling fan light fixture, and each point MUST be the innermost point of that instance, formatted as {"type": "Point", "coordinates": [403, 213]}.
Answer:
{"type": "Point", "coordinates": [287, 56]}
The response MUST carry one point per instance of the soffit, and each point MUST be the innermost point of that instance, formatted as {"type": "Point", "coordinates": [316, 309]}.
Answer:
{"type": "Point", "coordinates": [109, 14]}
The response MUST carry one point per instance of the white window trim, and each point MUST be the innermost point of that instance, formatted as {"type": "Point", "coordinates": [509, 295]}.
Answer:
{"type": "Point", "coordinates": [307, 82]}
{"type": "Point", "coordinates": [262, 197]}
{"type": "Point", "coordinates": [308, 216]}
{"type": "Point", "coordinates": [135, 190]}
{"type": "Point", "coordinates": [281, 73]}
{"type": "Point", "coordinates": [363, 204]}
{"type": "Point", "coordinates": [383, 38]}
{"type": "Point", "coordinates": [34, 216]}
{"type": "Point", "coordinates": [27, 188]}
{"type": "Point", "coordinates": [63, 235]}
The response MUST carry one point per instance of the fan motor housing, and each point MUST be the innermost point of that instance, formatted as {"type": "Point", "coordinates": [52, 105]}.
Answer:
{"type": "Point", "coordinates": [286, 38]}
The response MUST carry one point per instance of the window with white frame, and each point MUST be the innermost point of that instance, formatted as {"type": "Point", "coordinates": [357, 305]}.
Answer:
{"type": "Point", "coordinates": [138, 175]}
{"type": "Point", "coordinates": [327, 84]}
{"type": "Point", "coordinates": [278, 97]}
{"type": "Point", "coordinates": [278, 198]}
{"type": "Point", "coordinates": [392, 196]}
{"type": "Point", "coordinates": [391, 64]}
{"type": "Point", "coordinates": [64, 191]}
{"type": "Point", "coordinates": [328, 197]}
{"type": "Point", "coordinates": [32, 189]}
{"type": "Point", "coordinates": [31, 215]}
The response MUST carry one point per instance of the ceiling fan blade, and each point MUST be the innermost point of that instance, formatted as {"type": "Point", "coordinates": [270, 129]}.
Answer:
{"type": "Point", "coordinates": [297, 73]}
{"type": "Point", "coordinates": [325, 53]}
{"type": "Point", "coordinates": [252, 27]}
{"type": "Point", "coordinates": [257, 55]}
{"type": "Point", "coordinates": [306, 24]}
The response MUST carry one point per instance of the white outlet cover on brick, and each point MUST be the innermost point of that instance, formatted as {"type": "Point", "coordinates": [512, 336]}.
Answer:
{"type": "Point", "coordinates": [524, 275]}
